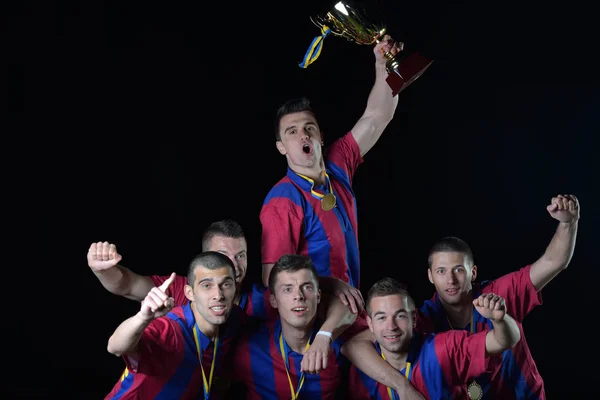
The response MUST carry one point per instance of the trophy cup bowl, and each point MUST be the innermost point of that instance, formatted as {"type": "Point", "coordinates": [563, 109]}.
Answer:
{"type": "Point", "coordinates": [353, 22]}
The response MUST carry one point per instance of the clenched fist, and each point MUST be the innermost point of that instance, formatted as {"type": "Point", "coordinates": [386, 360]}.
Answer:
{"type": "Point", "coordinates": [102, 256]}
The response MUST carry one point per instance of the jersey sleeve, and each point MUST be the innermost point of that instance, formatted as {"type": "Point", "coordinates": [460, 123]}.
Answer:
{"type": "Point", "coordinates": [157, 350]}
{"type": "Point", "coordinates": [345, 154]}
{"type": "Point", "coordinates": [281, 229]}
{"type": "Point", "coordinates": [176, 289]}
{"type": "Point", "coordinates": [462, 355]}
{"type": "Point", "coordinates": [518, 291]}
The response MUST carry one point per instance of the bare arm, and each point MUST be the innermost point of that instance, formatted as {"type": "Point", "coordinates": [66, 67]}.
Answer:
{"type": "Point", "coordinates": [559, 252]}
{"type": "Point", "coordinates": [266, 270]}
{"type": "Point", "coordinates": [381, 105]}
{"type": "Point", "coordinates": [125, 339]}
{"type": "Point", "coordinates": [338, 317]}
{"type": "Point", "coordinates": [505, 333]}
{"type": "Point", "coordinates": [503, 336]}
{"type": "Point", "coordinates": [103, 260]}
{"type": "Point", "coordinates": [360, 351]}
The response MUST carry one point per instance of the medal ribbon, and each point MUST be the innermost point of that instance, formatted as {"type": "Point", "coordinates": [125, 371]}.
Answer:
{"type": "Point", "coordinates": [295, 393]}
{"type": "Point", "coordinates": [314, 193]}
{"type": "Point", "coordinates": [314, 50]}
{"type": "Point", "coordinates": [407, 370]}
{"type": "Point", "coordinates": [207, 384]}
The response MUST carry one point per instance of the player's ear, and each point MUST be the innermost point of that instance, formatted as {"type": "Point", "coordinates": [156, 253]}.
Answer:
{"type": "Point", "coordinates": [273, 301]}
{"type": "Point", "coordinates": [474, 273]}
{"type": "Point", "coordinates": [369, 322]}
{"type": "Point", "coordinates": [280, 147]}
{"type": "Point", "coordinates": [189, 292]}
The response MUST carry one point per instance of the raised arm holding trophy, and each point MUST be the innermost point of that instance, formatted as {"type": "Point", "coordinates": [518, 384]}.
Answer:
{"type": "Point", "coordinates": [352, 21]}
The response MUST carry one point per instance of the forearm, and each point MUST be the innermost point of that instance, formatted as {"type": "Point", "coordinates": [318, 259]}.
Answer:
{"type": "Point", "coordinates": [504, 335]}
{"type": "Point", "coordinates": [266, 271]}
{"type": "Point", "coordinates": [338, 317]}
{"type": "Point", "coordinates": [381, 103]}
{"type": "Point", "coordinates": [557, 256]}
{"type": "Point", "coordinates": [127, 336]}
{"type": "Point", "coordinates": [561, 247]}
{"type": "Point", "coordinates": [362, 354]}
{"type": "Point", "coordinates": [123, 282]}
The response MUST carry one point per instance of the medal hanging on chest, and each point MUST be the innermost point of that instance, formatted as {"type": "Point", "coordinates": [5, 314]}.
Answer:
{"type": "Point", "coordinates": [328, 202]}
{"type": "Point", "coordinates": [475, 391]}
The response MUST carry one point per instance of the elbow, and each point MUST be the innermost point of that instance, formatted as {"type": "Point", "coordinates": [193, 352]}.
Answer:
{"type": "Point", "coordinates": [515, 339]}
{"type": "Point", "coordinates": [113, 349]}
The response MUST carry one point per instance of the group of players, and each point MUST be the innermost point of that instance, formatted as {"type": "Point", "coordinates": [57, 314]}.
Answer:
{"type": "Point", "coordinates": [305, 332]}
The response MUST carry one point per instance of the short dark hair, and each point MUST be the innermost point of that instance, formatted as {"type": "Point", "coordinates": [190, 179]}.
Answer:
{"type": "Point", "coordinates": [226, 228]}
{"type": "Point", "coordinates": [451, 244]}
{"type": "Point", "coordinates": [291, 263]}
{"type": "Point", "coordinates": [209, 260]}
{"type": "Point", "coordinates": [290, 107]}
{"type": "Point", "coordinates": [388, 287]}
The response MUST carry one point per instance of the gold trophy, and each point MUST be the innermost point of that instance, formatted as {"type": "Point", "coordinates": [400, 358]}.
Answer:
{"type": "Point", "coordinates": [352, 22]}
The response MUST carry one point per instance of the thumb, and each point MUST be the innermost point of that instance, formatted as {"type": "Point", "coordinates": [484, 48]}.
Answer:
{"type": "Point", "coordinates": [552, 207]}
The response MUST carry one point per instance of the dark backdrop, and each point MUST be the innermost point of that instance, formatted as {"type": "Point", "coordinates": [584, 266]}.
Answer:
{"type": "Point", "coordinates": [143, 122]}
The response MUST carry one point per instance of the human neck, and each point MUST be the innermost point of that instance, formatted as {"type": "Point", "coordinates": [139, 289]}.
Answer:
{"type": "Point", "coordinates": [297, 338]}
{"type": "Point", "coordinates": [395, 359]}
{"type": "Point", "coordinates": [316, 172]}
{"type": "Point", "coordinates": [209, 330]}
{"type": "Point", "coordinates": [459, 315]}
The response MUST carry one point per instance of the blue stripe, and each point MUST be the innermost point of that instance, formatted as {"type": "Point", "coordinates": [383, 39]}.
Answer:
{"type": "Point", "coordinates": [369, 384]}
{"type": "Point", "coordinates": [259, 308]}
{"type": "Point", "coordinates": [352, 255]}
{"type": "Point", "coordinates": [125, 386]}
{"type": "Point", "coordinates": [512, 376]}
{"type": "Point", "coordinates": [286, 190]}
{"type": "Point", "coordinates": [178, 383]}
{"type": "Point", "coordinates": [431, 371]}
{"type": "Point", "coordinates": [261, 363]}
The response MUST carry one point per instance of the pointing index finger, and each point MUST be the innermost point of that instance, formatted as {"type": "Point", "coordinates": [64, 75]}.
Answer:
{"type": "Point", "coordinates": [165, 285]}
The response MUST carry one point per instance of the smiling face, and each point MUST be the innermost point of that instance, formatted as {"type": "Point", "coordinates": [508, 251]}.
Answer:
{"type": "Point", "coordinates": [392, 320]}
{"type": "Point", "coordinates": [301, 141]}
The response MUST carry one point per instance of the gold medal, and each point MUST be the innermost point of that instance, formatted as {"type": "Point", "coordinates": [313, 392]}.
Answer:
{"type": "Point", "coordinates": [474, 390]}
{"type": "Point", "coordinates": [328, 202]}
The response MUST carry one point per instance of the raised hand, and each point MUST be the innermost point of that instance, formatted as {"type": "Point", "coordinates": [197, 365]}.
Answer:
{"type": "Point", "coordinates": [157, 303]}
{"type": "Point", "coordinates": [490, 306]}
{"type": "Point", "coordinates": [102, 256]}
{"type": "Point", "coordinates": [386, 45]}
{"type": "Point", "coordinates": [564, 208]}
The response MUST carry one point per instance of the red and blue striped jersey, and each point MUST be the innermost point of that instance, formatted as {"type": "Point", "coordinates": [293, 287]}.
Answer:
{"type": "Point", "coordinates": [293, 221]}
{"type": "Point", "coordinates": [254, 300]}
{"type": "Point", "coordinates": [437, 362]}
{"type": "Point", "coordinates": [515, 376]}
{"type": "Point", "coordinates": [167, 365]}
{"type": "Point", "coordinates": [260, 367]}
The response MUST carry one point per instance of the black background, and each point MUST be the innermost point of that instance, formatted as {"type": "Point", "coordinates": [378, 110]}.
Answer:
{"type": "Point", "coordinates": [143, 122]}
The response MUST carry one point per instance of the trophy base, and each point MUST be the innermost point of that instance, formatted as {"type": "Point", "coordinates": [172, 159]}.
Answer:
{"type": "Point", "coordinates": [406, 72]}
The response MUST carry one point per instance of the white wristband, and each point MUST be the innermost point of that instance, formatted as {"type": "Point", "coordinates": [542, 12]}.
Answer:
{"type": "Point", "coordinates": [325, 333]}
